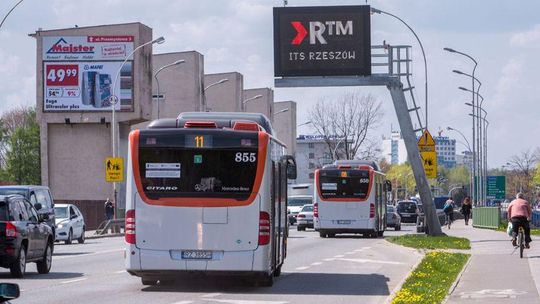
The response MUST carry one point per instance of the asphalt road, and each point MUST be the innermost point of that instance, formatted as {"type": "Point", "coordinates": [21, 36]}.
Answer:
{"type": "Point", "coordinates": [345, 269]}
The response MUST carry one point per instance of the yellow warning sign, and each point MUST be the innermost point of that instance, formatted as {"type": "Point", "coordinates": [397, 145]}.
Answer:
{"type": "Point", "coordinates": [114, 169]}
{"type": "Point", "coordinates": [426, 142]}
{"type": "Point", "coordinates": [429, 159]}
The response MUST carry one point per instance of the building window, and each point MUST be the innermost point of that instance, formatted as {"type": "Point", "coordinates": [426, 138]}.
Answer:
{"type": "Point", "coordinates": [311, 155]}
{"type": "Point", "coordinates": [311, 165]}
{"type": "Point", "coordinates": [311, 175]}
{"type": "Point", "coordinates": [311, 145]}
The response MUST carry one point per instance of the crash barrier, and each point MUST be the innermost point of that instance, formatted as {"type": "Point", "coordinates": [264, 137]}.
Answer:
{"type": "Point", "coordinates": [115, 226]}
{"type": "Point", "coordinates": [486, 217]}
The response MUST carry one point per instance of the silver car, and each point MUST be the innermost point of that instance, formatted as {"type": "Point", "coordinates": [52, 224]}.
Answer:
{"type": "Point", "coordinates": [304, 218]}
{"type": "Point", "coordinates": [392, 218]}
{"type": "Point", "coordinates": [69, 223]}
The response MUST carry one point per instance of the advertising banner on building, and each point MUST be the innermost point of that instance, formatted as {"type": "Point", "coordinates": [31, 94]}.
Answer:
{"type": "Point", "coordinates": [60, 48]}
{"type": "Point", "coordinates": [322, 41]}
{"type": "Point", "coordinates": [85, 86]}
{"type": "Point", "coordinates": [79, 73]}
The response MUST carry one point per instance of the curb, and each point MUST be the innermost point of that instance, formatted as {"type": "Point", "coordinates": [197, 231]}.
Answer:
{"type": "Point", "coordinates": [91, 237]}
{"type": "Point", "coordinates": [396, 289]}
{"type": "Point", "coordinates": [458, 279]}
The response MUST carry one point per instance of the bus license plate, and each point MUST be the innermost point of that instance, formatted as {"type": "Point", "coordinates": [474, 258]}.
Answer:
{"type": "Point", "coordinates": [344, 222]}
{"type": "Point", "coordinates": [196, 254]}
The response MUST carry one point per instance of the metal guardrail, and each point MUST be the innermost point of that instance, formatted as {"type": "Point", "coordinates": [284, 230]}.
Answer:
{"type": "Point", "coordinates": [486, 217]}
{"type": "Point", "coordinates": [116, 226]}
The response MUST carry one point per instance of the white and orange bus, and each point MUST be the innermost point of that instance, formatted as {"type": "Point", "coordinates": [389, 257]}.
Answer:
{"type": "Point", "coordinates": [207, 194]}
{"type": "Point", "coordinates": [350, 197]}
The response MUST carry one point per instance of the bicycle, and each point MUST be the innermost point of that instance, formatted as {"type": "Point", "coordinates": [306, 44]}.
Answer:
{"type": "Point", "coordinates": [448, 220]}
{"type": "Point", "coordinates": [521, 241]}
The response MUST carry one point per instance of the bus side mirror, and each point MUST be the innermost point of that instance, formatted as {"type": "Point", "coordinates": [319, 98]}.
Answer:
{"type": "Point", "coordinates": [388, 185]}
{"type": "Point", "coordinates": [290, 165]}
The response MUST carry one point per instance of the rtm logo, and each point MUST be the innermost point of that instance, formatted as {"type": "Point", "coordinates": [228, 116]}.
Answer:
{"type": "Point", "coordinates": [317, 30]}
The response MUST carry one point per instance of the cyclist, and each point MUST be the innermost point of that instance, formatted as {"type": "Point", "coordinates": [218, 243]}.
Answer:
{"type": "Point", "coordinates": [449, 211]}
{"type": "Point", "coordinates": [519, 213]}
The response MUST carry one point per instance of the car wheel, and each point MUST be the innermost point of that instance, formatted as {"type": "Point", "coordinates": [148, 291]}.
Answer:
{"type": "Point", "coordinates": [81, 238]}
{"type": "Point", "coordinates": [331, 235]}
{"type": "Point", "coordinates": [398, 227]}
{"type": "Point", "coordinates": [18, 268]}
{"type": "Point", "coordinates": [70, 237]}
{"type": "Point", "coordinates": [148, 282]}
{"type": "Point", "coordinates": [44, 266]}
{"type": "Point", "coordinates": [266, 280]}
{"type": "Point", "coordinates": [322, 234]}
{"type": "Point", "coordinates": [277, 271]}
{"type": "Point", "coordinates": [380, 233]}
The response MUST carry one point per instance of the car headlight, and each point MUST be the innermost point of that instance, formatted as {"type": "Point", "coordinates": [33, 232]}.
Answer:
{"type": "Point", "coordinates": [60, 226]}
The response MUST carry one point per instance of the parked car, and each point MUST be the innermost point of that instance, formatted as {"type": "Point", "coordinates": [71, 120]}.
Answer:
{"type": "Point", "coordinates": [24, 236]}
{"type": "Point", "coordinates": [295, 204]}
{"type": "Point", "coordinates": [69, 223]}
{"type": "Point", "coordinates": [35, 194]}
{"type": "Point", "coordinates": [392, 218]}
{"type": "Point", "coordinates": [305, 218]}
{"type": "Point", "coordinates": [408, 211]}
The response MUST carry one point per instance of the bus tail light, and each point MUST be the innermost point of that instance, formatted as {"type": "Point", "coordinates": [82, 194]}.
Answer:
{"type": "Point", "coordinates": [301, 216]}
{"type": "Point", "coordinates": [246, 126]}
{"type": "Point", "coordinates": [11, 230]}
{"type": "Point", "coordinates": [264, 228]}
{"type": "Point", "coordinates": [371, 210]}
{"type": "Point", "coordinates": [316, 210]}
{"type": "Point", "coordinates": [130, 226]}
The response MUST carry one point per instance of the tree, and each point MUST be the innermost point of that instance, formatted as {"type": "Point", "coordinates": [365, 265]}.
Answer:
{"type": "Point", "coordinates": [402, 179]}
{"type": "Point", "coordinates": [9, 122]}
{"type": "Point", "coordinates": [347, 123]}
{"type": "Point", "coordinates": [524, 165]}
{"type": "Point", "coordinates": [23, 163]}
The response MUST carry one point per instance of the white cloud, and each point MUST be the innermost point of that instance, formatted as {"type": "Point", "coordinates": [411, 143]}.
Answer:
{"type": "Point", "coordinates": [530, 38]}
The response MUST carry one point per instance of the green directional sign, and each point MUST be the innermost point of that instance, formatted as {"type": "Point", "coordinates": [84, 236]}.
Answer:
{"type": "Point", "coordinates": [496, 187]}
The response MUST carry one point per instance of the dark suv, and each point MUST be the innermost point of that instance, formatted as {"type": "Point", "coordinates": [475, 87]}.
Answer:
{"type": "Point", "coordinates": [24, 236]}
{"type": "Point", "coordinates": [36, 194]}
{"type": "Point", "coordinates": [408, 211]}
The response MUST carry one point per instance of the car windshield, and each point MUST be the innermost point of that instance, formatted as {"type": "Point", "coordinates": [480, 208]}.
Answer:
{"type": "Point", "coordinates": [308, 208]}
{"type": "Point", "coordinates": [8, 191]}
{"type": "Point", "coordinates": [407, 207]}
{"type": "Point", "coordinates": [390, 209]}
{"type": "Point", "coordinates": [297, 202]}
{"type": "Point", "coordinates": [61, 212]}
{"type": "Point", "coordinates": [336, 183]}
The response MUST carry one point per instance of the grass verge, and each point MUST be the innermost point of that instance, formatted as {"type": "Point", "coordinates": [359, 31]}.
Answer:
{"type": "Point", "coordinates": [431, 280]}
{"type": "Point", "coordinates": [504, 224]}
{"type": "Point", "coordinates": [430, 242]}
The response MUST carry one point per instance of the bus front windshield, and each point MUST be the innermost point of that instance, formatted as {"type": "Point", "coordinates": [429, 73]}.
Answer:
{"type": "Point", "coordinates": [198, 163]}
{"type": "Point", "coordinates": [336, 183]}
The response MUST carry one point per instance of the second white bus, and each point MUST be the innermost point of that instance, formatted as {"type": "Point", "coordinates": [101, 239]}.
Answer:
{"type": "Point", "coordinates": [350, 197]}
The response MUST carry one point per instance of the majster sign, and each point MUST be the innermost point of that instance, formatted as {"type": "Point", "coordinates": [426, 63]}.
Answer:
{"type": "Point", "coordinates": [322, 41]}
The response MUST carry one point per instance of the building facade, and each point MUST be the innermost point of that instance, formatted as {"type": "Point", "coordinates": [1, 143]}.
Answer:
{"type": "Point", "coordinates": [393, 149]}
{"type": "Point", "coordinates": [312, 153]}
{"type": "Point", "coordinates": [446, 151]}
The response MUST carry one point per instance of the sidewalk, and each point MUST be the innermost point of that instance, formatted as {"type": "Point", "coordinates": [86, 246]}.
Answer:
{"type": "Point", "coordinates": [91, 234]}
{"type": "Point", "coordinates": [495, 273]}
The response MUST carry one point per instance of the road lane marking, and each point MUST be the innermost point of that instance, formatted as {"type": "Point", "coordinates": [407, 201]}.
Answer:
{"type": "Point", "coordinates": [211, 295]}
{"type": "Point", "coordinates": [362, 249]}
{"type": "Point", "coordinates": [328, 260]}
{"type": "Point", "coordinates": [350, 252]}
{"type": "Point", "coordinates": [73, 281]}
{"type": "Point", "coordinates": [492, 293]}
{"type": "Point", "coordinates": [86, 254]}
{"type": "Point", "coordinates": [248, 301]}
{"type": "Point", "coordinates": [302, 268]}
{"type": "Point", "coordinates": [316, 264]}
{"type": "Point", "coordinates": [121, 271]}
{"type": "Point", "coordinates": [339, 256]}
{"type": "Point", "coordinates": [371, 261]}
{"type": "Point", "coordinates": [183, 302]}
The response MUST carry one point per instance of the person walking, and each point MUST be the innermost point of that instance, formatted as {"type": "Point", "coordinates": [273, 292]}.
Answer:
{"type": "Point", "coordinates": [466, 208]}
{"type": "Point", "coordinates": [519, 213]}
{"type": "Point", "coordinates": [109, 209]}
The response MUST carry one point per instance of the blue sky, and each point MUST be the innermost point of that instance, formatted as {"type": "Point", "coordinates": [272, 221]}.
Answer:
{"type": "Point", "coordinates": [504, 36]}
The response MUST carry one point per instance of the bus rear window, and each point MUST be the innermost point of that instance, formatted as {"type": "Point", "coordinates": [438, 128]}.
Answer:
{"type": "Point", "coordinates": [344, 184]}
{"type": "Point", "coordinates": [209, 164]}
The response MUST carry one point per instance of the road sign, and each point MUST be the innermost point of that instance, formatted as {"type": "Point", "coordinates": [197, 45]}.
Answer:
{"type": "Point", "coordinates": [322, 41]}
{"type": "Point", "coordinates": [114, 169]}
{"type": "Point", "coordinates": [496, 187]}
{"type": "Point", "coordinates": [426, 146]}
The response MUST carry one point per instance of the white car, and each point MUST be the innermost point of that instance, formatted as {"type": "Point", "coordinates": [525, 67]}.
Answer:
{"type": "Point", "coordinates": [295, 204]}
{"type": "Point", "coordinates": [304, 219]}
{"type": "Point", "coordinates": [69, 223]}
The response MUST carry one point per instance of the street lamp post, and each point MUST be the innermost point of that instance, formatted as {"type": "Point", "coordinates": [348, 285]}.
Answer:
{"type": "Point", "coordinates": [204, 107]}
{"type": "Point", "coordinates": [9, 12]}
{"type": "Point", "coordinates": [378, 11]}
{"type": "Point", "coordinates": [471, 176]}
{"type": "Point", "coordinates": [177, 62]}
{"type": "Point", "coordinates": [248, 100]}
{"type": "Point", "coordinates": [281, 111]}
{"type": "Point", "coordinates": [113, 100]}
{"type": "Point", "coordinates": [475, 196]}
{"type": "Point", "coordinates": [303, 124]}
